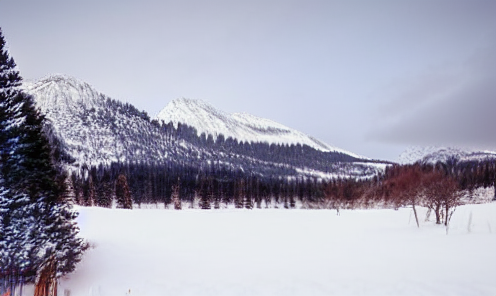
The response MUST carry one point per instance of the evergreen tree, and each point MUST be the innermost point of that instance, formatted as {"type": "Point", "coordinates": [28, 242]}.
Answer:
{"type": "Point", "coordinates": [36, 221]}
{"type": "Point", "coordinates": [17, 237]}
{"type": "Point", "coordinates": [10, 103]}
{"type": "Point", "coordinates": [248, 201]}
{"type": "Point", "coordinates": [30, 166]}
{"type": "Point", "coordinates": [107, 189]}
{"type": "Point", "coordinates": [239, 193]}
{"type": "Point", "coordinates": [122, 193]}
{"type": "Point", "coordinates": [204, 192]}
{"type": "Point", "coordinates": [175, 195]}
{"type": "Point", "coordinates": [32, 170]}
{"type": "Point", "coordinates": [88, 192]}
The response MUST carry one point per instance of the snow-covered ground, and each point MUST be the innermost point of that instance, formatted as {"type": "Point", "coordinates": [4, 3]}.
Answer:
{"type": "Point", "coordinates": [284, 252]}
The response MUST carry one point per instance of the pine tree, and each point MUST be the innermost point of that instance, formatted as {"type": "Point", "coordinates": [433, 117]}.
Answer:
{"type": "Point", "coordinates": [11, 204]}
{"type": "Point", "coordinates": [36, 221]}
{"type": "Point", "coordinates": [30, 166]}
{"type": "Point", "coordinates": [10, 103]}
{"type": "Point", "coordinates": [204, 192]}
{"type": "Point", "coordinates": [122, 193]}
{"type": "Point", "coordinates": [175, 195]}
{"type": "Point", "coordinates": [107, 189]}
{"type": "Point", "coordinates": [248, 201]}
{"type": "Point", "coordinates": [88, 192]}
{"type": "Point", "coordinates": [239, 193]}
{"type": "Point", "coordinates": [17, 229]}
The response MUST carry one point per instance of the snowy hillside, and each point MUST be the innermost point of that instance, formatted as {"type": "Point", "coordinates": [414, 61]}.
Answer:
{"type": "Point", "coordinates": [59, 93]}
{"type": "Point", "coordinates": [93, 128]}
{"type": "Point", "coordinates": [432, 155]}
{"type": "Point", "coordinates": [241, 126]}
{"type": "Point", "coordinates": [281, 252]}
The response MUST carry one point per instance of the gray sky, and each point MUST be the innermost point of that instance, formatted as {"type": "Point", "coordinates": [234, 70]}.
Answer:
{"type": "Point", "coordinates": [372, 77]}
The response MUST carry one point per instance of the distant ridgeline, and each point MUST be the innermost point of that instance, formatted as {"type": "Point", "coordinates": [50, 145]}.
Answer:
{"type": "Point", "coordinates": [105, 140]}
{"type": "Point", "coordinates": [112, 150]}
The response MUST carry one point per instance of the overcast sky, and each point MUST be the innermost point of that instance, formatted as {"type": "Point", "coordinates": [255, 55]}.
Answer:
{"type": "Point", "coordinates": [372, 77]}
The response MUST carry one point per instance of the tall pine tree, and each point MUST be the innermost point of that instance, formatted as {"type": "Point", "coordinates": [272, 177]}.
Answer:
{"type": "Point", "coordinates": [37, 223]}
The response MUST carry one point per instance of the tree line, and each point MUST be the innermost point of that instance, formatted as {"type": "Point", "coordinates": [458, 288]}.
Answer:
{"type": "Point", "coordinates": [207, 188]}
{"type": "Point", "coordinates": [439, 187]}
{"type": "Point", "coordinates": [220, 185]}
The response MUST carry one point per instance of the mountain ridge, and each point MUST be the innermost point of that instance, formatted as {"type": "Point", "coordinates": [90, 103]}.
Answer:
{"type": "Point", "coordinates": [78, 92]}
{"type": "Point", "coordinates": [94, 129]}
{"type": "Point", "coordinates": [435, 154]}
{"type": "Point", "coordinates": [241, 126]}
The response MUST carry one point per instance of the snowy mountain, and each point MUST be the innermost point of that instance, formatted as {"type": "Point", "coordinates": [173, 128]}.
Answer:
{"type": "Point", "coordinates": [93, 129]}
{"type": "Point", "coordinates": [241, 126]}
{"type": "Point", "coordinates": [58, 93]}
{"type": "Point", "coordinates": [432, 155]}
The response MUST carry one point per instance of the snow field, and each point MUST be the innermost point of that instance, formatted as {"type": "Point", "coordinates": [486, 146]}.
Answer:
{"type": "Point", "coordinates": [284, 252]}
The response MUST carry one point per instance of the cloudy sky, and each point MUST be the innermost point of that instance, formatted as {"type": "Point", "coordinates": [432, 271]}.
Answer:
{"type": "Point", "coordinates": [372, 77]}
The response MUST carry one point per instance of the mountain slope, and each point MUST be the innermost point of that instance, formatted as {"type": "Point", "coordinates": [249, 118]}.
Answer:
{"type": "Point", "coordinates": [433, 155]}
{"type": "Point", "coordinates": [240, 126]}
{"type": "Point", "coordinates": [93, 129]}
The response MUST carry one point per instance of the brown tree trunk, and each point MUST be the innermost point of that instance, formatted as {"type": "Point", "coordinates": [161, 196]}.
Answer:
{"type": "Point", "coordinates": [46, 285]}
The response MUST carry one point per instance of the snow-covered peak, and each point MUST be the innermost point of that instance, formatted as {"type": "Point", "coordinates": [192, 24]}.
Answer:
{"type": "Point", "coordinates": [60, 92]}
{"type": "Point", "coordinates": [432, 154]}
{"type": "Point", "coordinates": [241, 126]}
{"type": "Point", "coordinates": [259, 123]}
{"type": "Point", "coordinates": [195, 113]}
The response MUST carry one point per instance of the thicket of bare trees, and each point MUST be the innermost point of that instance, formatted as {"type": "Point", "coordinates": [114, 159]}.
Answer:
{"type": "Point", "coordinates": [424, 186]}
{"type": "Point", "coordinates": [438, 187]}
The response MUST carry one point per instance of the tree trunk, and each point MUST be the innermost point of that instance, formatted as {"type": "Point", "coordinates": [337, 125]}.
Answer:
{"type": "Point", "coordinates": [415, 213]}
{"type": "Point", "coordinates": [446, 217]}
{"type": "Point", "coordinates": [46, 285]}
{"type": "Point", "coordinates": [438, 216]}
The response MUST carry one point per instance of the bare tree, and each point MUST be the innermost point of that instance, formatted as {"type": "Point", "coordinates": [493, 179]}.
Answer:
{"type": "Point", "coordinates": [406, 187]}
{"type": "Point", "coordinates": [442, 195]}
